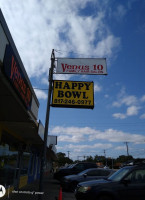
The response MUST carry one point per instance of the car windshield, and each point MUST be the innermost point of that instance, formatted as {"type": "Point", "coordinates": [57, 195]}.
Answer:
{"type": "Point", "coordinates": [117, 176]}
{"type": "Point", "coordinates": [83, 172]}
{"type": "Point", "coordinates": [71, 166]}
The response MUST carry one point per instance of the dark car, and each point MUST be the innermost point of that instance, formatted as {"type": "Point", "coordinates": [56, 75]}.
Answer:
{"type": "Point", "coordinates": [73, 169]}
{"type": "Point", "coordinates": [128, 183]}
{"type": "Point", "coordinates": [70, 182]}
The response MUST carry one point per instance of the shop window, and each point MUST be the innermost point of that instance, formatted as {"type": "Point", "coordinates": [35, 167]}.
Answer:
{"type": "Point", "coordinates": [25, 163]}
{"type": "Point", "coordinates": [8, 161]}
{"type": "Point", "coordinates": [39, 164]}
{"type": "Point", "coordinates": [32, 164]}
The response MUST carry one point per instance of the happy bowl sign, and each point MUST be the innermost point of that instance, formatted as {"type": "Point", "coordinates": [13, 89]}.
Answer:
{"type": "Point", "coordinates": [96, 66]}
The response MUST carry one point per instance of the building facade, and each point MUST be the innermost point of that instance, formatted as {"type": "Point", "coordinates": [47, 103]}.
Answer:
{"type": "Point", "coordinates": [21, 135]}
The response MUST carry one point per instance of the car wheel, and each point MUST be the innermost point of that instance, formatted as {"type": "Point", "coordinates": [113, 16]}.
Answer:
{"type": "Point", "coordinates": [73, 186]}
{"type": "Point", "coordinates": [105, 197]}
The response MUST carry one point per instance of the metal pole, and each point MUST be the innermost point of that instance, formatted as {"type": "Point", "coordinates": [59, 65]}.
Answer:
{"type": "Point", "coordinates": [43, 159]}
{"type": "Point", "coordinates": [112, 163]}
{"type": "Point", "coordinates": [127, 148]}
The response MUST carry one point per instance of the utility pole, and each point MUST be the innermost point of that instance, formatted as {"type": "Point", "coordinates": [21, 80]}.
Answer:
{"type": "Point", "coordinates": [126, 143]}
{"type": "Point", "coordinates": [68, 153]}
{"type": "Point", "coordinates": [105, 156]}
{"type": "Point", "coordinates": [43, 159]}
{"type": "Point", "coordinates": [112, 163]}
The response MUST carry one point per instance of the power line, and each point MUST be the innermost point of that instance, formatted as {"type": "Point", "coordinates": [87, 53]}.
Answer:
{"type": "Point", "coordinates": [40, 89]}
{"type": "Point", "coordinates": [72, 52]}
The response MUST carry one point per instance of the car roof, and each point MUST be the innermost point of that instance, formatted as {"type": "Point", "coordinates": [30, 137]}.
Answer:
{"type": "Point", "coordinates": [140, 166]}
{"type": "Point", "coordinates": [101, 169]}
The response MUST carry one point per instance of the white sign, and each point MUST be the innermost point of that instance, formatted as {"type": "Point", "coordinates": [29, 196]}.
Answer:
{"type": "Point", "coordinates": [81, 66]}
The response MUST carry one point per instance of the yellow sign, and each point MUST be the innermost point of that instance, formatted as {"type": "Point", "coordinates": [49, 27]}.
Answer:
{"type": "Point", "coordinates": [73, 94]}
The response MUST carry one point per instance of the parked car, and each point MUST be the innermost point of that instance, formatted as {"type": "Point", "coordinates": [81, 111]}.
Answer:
{"type": "Point", "coordinates": [73, 169]}
{"type": "Point", "coordinates": [128, 183]}
{"type": "Point", "coordinates": [70, 182]}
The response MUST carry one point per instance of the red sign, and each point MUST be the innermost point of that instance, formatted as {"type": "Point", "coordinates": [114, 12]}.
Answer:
{"type": "Point", "coordinates": [15, 75]}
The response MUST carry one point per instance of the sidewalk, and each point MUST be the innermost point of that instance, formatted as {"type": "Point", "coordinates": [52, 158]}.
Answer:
{"type": "Point", "coordinates": [51, 191]}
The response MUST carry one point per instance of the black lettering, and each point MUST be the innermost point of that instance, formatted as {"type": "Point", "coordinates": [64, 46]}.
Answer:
{"type": "Point", "coordinates": [68, 94]}
{"type": "Point", "coordinates": [58, 85]}
{"type": "Point", "coordinates": [74, 85]}
{"type": "Point", "coordinates": [80, 85]}
{"type": "Point", "coordinates": [66, 85]}
{"type": "Point", "coordinates": [76, 94]}
{"type": "Point", "coordinates": [84, 95]}
{"type": "Point", "coordinates": [60, 93]}
{"type": "Point", "coordinates": [87, 85]}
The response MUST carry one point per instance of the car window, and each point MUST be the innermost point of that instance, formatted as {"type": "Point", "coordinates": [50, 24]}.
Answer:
{"type": "Point", "coordinates": [79, 167]}
{"type": "Point", "coordinates": [71, 166]}
{"type": "Point", "coordinates": [137, 176]}
{"type": "Point", "coordinates": [117, 176]}
{"type": "Point", "coordinates": [98, 173]}
{"type": "Point", "coordinates": [94, 173]}
{"type": "Point", "coordinates": [105, 172]}
{"type": "Point", "coordinates": [83, 172]}
{"type": "Point", "coordinates": [90, 165]}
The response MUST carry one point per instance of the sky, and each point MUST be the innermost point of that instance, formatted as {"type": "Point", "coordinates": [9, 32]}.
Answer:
{"type": "Point", "coordinates": [111, 29]}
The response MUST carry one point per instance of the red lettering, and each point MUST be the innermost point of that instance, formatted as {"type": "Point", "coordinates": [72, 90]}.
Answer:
{"type": "Point", "coordinates": [12, 67]}
{"type": "Point", "coordinates": [74, 67]}
{"type": "Point", "coordinates": [100, 67]}
{"type": "Point", "coordinates": [64, 67]}
{"type": "Point", "coordinates": [28, 95]}
{"type": "Point", "coordinates": [19, 82]}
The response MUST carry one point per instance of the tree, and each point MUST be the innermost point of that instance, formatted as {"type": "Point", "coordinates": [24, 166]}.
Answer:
{"type": "Point", "coordinates": [89, 159]}
{"type": "Point", "coordinates": [124, 158]}
{"type": "Point", "coordinates": [62, 159]}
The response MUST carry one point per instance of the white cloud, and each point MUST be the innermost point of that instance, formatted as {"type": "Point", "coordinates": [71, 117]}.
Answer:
{"type": "Point", "coordinates": [132, 110]}
{"type": "Point", "coordinates": [143, 98]}
{"type": "Point", "coordinates": [120, 12]}
{"type": "Point", "coordinates": [106, 96]}
{"type": "Point", "coordinates": [37, 27]}
{"type": "Point", "coordinates": [77, 149]}
{"type": "Point", "coordinates": [40, 94]}
{"type": "Point", "coordinates": [120, 148]}
{"type": "Point", "coordinates": [119, 116]}
{"type": "Point", "coordinates": [73, 138]}
{"type": "Point", "coordinates": [72, 130]}
{"type": "Point", "coordinates": [125, 100]}
{"type": "Point", "coordinates": [142, 116]}
{"type": "Point", "coordinates": [131, 102]}
{"type": "Point", "coordinates": [97, 88]}
{"type": "Point", "coordinates": [82, 148]}
{"type": "Point", "coordinates": [89, 134]}
{"type": "Point", "coordinates": [106, 46]}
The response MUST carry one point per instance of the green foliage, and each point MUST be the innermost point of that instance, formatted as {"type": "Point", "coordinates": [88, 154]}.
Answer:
{"type": "Point", "coordinates": [62, 159]}
{"type": "Point", "coordinates": [124, 158]}
{"type": "Point", "coordinates": [90, 159]}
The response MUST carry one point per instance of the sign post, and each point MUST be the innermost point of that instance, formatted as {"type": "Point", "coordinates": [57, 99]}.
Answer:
{"type": "Point", "coordinates": [43, 159]}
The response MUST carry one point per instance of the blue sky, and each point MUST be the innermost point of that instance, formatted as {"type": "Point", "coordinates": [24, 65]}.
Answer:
{"type": "Point", "coordinates": [114, 29]}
